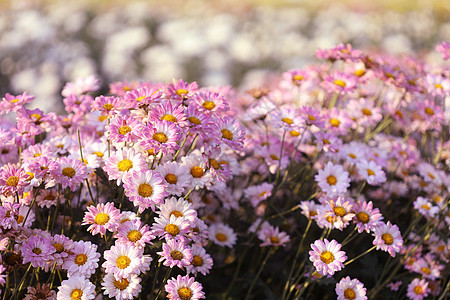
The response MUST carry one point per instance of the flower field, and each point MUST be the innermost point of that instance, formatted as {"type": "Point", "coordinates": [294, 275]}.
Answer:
{"type": "Point", "coordinates": [326, 181]}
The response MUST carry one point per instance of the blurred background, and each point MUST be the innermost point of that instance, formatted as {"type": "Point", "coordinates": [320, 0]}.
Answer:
{"type": "Point", "coordinates": [44, 44]}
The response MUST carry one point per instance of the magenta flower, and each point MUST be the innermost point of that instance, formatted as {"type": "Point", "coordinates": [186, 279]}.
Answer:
{"type": "Point", "coordinates": [134, 234]}
{"type": "Point", "coordinates": [418, 289]}
{"type": "Point", "coordinates": [388, 238]}
{"type": "Point", "coordinates": [122, 260]}
{"type": "Point", "coordinates": [327, 257]}
{"type": "Point", "coordinates": [70, 173]}
{"type": "Point", "coordinates": [166, 111]}
{"type": "Point", "coordinates": [123, 162]}
{"type": "Point", "coordinates": [14, 103]}
{"type": "Point", "coordinates": [101, 218]}
{"type": "Point", "coordinates": [366, 217]}
{"type": "Point", "coordinates": [160, 136]}
{"type": "Point", "coordinates": [175, 253]}
{"type": "Point", "coordinates": [124, 129]}
{"type": "Point", "coordinates": [183, 288]}
{"type": "Point", "coordinates": [13, 179]}
{"type": "Point", "coordinates": [141, 97]}
{"type": "Point", "coordinates": [82, 260]}
{"type": "Point", "coordinates": [181, 90]}
{"type": "Point", "coordinates": [349, 288]}
{"type": "Point", "coordinates": [37, 250]}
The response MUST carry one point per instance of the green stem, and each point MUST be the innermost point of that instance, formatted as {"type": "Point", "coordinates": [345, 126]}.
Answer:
{"type": "Point", "coordinates": [269, 254]}
{"type": "Point", "coordinates": [359, 256]}
{"type": "Point", "coordinates": [163, 283]}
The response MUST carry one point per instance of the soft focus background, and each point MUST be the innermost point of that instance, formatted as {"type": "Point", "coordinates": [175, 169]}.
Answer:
{"type": "Point", "coordinates": [43, 44]}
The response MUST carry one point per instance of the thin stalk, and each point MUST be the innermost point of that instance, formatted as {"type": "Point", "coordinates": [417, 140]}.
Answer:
{"type": "Point", "coordinates": [269, 254]}
{"type": "Point", "coordinates": [17, 290]}
{"type": "Point", "coordinates": [181, 147]}
{"type": "Point", "coordinates": [359, 256]}
{"type": "Point", "coordinates": [163, 283]}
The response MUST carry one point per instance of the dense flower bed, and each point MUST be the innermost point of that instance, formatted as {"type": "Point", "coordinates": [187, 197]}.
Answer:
{"type": "Point", "coordinates": [332, 180]}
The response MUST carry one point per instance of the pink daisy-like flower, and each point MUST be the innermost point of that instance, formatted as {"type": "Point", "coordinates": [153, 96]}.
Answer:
{"type": "Point", "coordinates": [286, 117]}
{"type": "Point", "coordinates": [332, 179]}
{"type": "Point", "coordinates": [134, 233]}
{"type": "Point", "coordinates": [327, 257]}
{"type": "Point", "coordinates": [200, 176]}
{"type": "Point", "coordinates": [81, 86]}
{"type": "Point", "coordinates": [444, 49]}
{"type": "Point", "coordinates": [13, 179]}
{"type": "Point", "coordinates": [122, 260]}
{"type": "Point", "coordinates": [201, 261]}
{"type": "Point", "coordinates": [63, 246]}
{"type": "Point", "coordinates": [425, 207]}
{"type": "Point", "coordinates": [122, 289]}
{"type": "Point", "coordinates": [417, 289]}
{"type": "Point", "coordinates": [181, 90]}
{"type": "Point", "coordinates": [9, 214]}
{"type": "Point", "coordinates": [77, 288]}
{"type": "Point", "coordinates": [145, 189]}
{"type": "Point", "coordinates": [338, 82]}
{"type": "Point", "coordinates": [366, 217]}
{"type": "Point", "coordinates": [175, 253]}
{"type": "Point", "coordinates": [296, 77]}
{"type": "Point", "coordinates": [327, 141]}
{"type": "Point", "coordinates": [272, 236]}
{"type": "Point", "coordinates": [107, 105]}
{"type": "Point", "coordinates": [69, 172]}
{"type": "Point", "coordinates": [161, 136]}
{"type": "Point", "coordinates": [210, 102]}
{"type": "Point", "coordinates": [437, 85]}
{"type": "Point", "coordinates": [123, 162]}
{"type": "Point", "coordinates": [199, 122]}
{"type": "Point", "coordinates": [388, 238]}
{"type": "Point", "coordinates": [337, 121]}
{"type": "Point", "coordinates": [142, 96]}
{"type": "Point", "coordinates": [309, 208]}
{"type": "Point", "coordinates": [37, 250]}
{"type": "Point", "coordinates": [179, 208]}
{"type": "Point", "coordinates": [101, 218]}
{"type": "Point", "coordinates": [222, 235]}
{"type": "Point", "coordinates": [350, 289]}
{"type": "Point", "coordinates": [166, 111]}
{"type": "Point", "coordinates": [176, 177]}
{"type": "Point", "coordinates": [198, 232]}
{"type": "Point", "coordinates": [82, 260]}
{"type": "Point", "coordinates": [258, 193]}
{"type": "Point", "coordinates": [364, 111]}
{"type": "Point", "coordinates": [311, 116]}
{"type": "Point", "coordinates": [371, 172]}
{"type": "Point", "coordinates": [232, 133]}
{"type": "Point", "coordinates": [184, 288]}
{"type": "Point", "coordinates": [171, 228]}
{"type": "Point", "coordinates": [124, 129]}
{"type": "Point", "coordinates": [340, 51]}
{"type": "Point", "coordinates": [119, 88]}
{"type": "Point", "coordinates": [339, 211]}
{"type": "Point", "coordinates": [14, 103]}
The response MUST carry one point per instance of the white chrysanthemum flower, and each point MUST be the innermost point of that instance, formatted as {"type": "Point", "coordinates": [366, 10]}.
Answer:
{"type": "Point", "coordinates": [333, 180]}
{"type": "Point", "coordinates": [222, 235]}
{"type": "Point", "coordinates": [122, 289]}
{"type": "Point", "coordinates": [76, 288]}
{"type": "Point", "coordinates": [83, 259]}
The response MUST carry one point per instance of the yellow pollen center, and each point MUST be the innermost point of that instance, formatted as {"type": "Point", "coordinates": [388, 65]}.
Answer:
{"type": "Point", "coordinates": [30, 176]}
{"type": "Point", "coordinates": [76, 294]}
{"type": "Point", "coordinates": [20, 219]}
{"type": "Point", "coordinates": [145, 190]}
{"type": "Point", "coordinates": [123, 262]}
{"type": "Point", "coordinates": [339, 211]}
{"type": "Point", "coordinates": [226, 134]}
{"type": "Point", "coordinates": [418, 290]}
{"type": "Point", "coordinates": [370, 172]}
{"type": "Point", "coordinates": [331, 180]}
{"type": "Point", "coordinates": [101, 218]}
{"type": "Point", "coordinates": [327, 257]}
{"type": "Point", "coordinates": [438, 86]}
{"type": "Point", "coordinates": [335, 122]}
{"type": "Point", "coordinates": [185, 293]}
{"type": "Point", "coordinates": [125, 165]}
{"type": "Point", "coordinates": [214, 163]}
{"type": "Point", "coordinates": [69, 172]}
{"type": "Point", "coordinates": [294, 133]}
{"type": "Point", "coordinates": [160, 137]}
{"type": "Point", "coordinates": [287, 121]}
{"type": "Point", "coordinates": [98, 153]}
{"type": "Point", "coordinates": [274, 157]}
{"type": "Point", "coordinates": [426, 270]}
{"type": "Point", "coordinates": [171, 178]}
{"type": "Point", "coordinates": [352, 155]}
{"type": "Point", "coordinates": [209, 105]}
{"type": "Point", "coordinates": [363, 217]}
{"type": "Point", "coordinates": [366, 112]}
{"type": "Point", "coordinates": [429, 111]}
{"type": "Point", "coordinates": [387, 238]}
{"type": "Point", "coordinates": [37, 117]}
{"type": "Point", "coordinates": [12, 181]}
{"type": "Point", "coordinates": [14, 100]}
{"type": "Point", "coordinates": [177, 255]}
{"type": "Point", "coordinates": [326, 141]}
{"type": "Point", "coordinates": [426, 207]}
{"type": "Point", "coordinates": [431, 175]}
{"type": "Point", "coordinates": [176, 213]}
{"type": "Point", "coordinates": [169, 118]}
{"type": "Point", "coordinates": [59, 247]}
{"type": "Point", "coordinates": [134, 235]}
{"type": "Point", "coordinates": [197, 261]}
{"type": "Point", "coordinates": [221, 237]}
{"type": "Point", "coordinates": [81, 259]}
{"type": "Point", "coordinates": [311, 118]}
{"type": "Point", "coordinates": [197, 172]}
{"type": "Point", "coordinates": [121, 284]}
{"type": "Point", "coordinates": [297, 77]}
{"type": "Point", "coordinates": [172, 229]}
{"type": "Point", "coordinates": [360, 72]}
{"type": "Point", "coordinates": [124, 130]}
{"type": "Point", "coordinates": [340, 83]}
{"type": "Point", "coordinates": [349, 294]}
{"type": "Point", "coordinates": [181, 92]}
{"type": "Point", "coordinates": [194, 120]}
{"type": "Point", "coordinates": [441, 248]}
{"type": "Point", "coordinates": [274, 240]}
{"type": "Point", "coordinates": [102, 118]}
{"type": "Point", "coordinates": [37, 251]}
{"type": "Point", "coordinates": [108, 106]}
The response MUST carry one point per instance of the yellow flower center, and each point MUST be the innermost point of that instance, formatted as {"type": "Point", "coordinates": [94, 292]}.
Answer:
{"type": "Point", "coordinates": [145, 190]}
{"type": "Point", "coordinates": [363, 217]}
{"type": "Point", "coordinates": [331, 180]}
{"type": "Point", "coordinates": [169, 118]}
{"type": "Point", "coordinates": [185, 293]}
{"type": "Point", "coordinates": [181, 92]}
{"type": "Point", "coordinates": [76, 294]}
{"type": "Point", "coordinates": [59, 247]}
{"type": "Point", "coordinates": [124, 130]}
{"type": "Point", "coordinates": [102, 118]}
{"type": "Point", "coordinates": [197, 172]}
{"type": "Point", "coordinates": [311, 118]}
{"type": "Point", "coordinates": [327, 257]}
{"type": "Point", "coordinates": [294, 133]}
{"type": "Point", "coordinates": [221, 237]}
{"type": "Point", "coordinates": [366, 112]}
{"type": "Point", "coordinates": [287, 121]}
{"type": "Point", "coordinates": [121, 284]}
{"type": "Point", "coordinates": [226, 134]}
{"type": "Point", "coordinates": [370, 172]}
{"type": "Point", "coordinates": [197, 261]}
{"type": "Point", "coordinates": [171, 178]}
{"type": "Point", "coordinates": [339, 211]}
{"type": "Point", "coordinates": [81, 259]}
{"type": "Point", "coordinates": [177, 255]}
{"type": "Point", "coordinates": [438, 86]}
{"type": "Point", "coordinates": [441, 248]}
{"type": "Point", "coordinates": [274, 157]}
{"type": "Point", "coordinates": [418, 290]}
{"type": "Point", "coordinates": [335, 122]}
{"type": "Point", "coordinates": [134, 235]}
{"type": "Point", "coordinates": [429, 111]}
{"type": "Point", "coordinates": [37, 251]}
{"type": "Point", "coordinates": [326, 141]}
{"type": "Point", "coordinates": [20, 219]}
{"type": "Point", "coordinates": [123, 262]}
{"type": "Point", "coordinates": [274, 240]}
{"type": "Point", "coordinates": [160, 137]}
{"type": "Point", "coordinates": [125, 165]}
{"type": "Point", "coordinates": [297, 77]}
{"type": "Point", "coordinates": [360, 72]}
{"type": "Point", "coordinates": [69, 172]}
{"type": "Point", "coordinates": [209, 105]}
{"type": "Point", "coordinates": [101, 218]}
{"type": "Point", "coordinates": [349, 294]}
{"type": "Point", "coordinates": [37, 117]}
{"type": "Point", "coordinates": [426, 206]}
{"type": "Point", "coordinates": [214, 163]}
{"type": "Point", "coordinates": [172, 229]}
{"type": "Point", "coordinates": [387, 238]}
{"type": "Point", "coordinates": [352, 155]}
{"type": "Point", "coordinates": [426, 270]}
{"type": "Point", "coordinates": [194, 120]}
{"type": "Point", "coordinates": [14, 100]}
{"type": "Point", "coordinates": [12, 181]}
{"type": "Point", "coordinates": [176, 213]}
{"type": "Point", "coordinates": [108, 106]}
{"type": "Point", "coordinates": [98, 153]}
{"type": "Point", "coordinates": [431, 175]}
{"type": "Point", "coordinates": [340, 83]}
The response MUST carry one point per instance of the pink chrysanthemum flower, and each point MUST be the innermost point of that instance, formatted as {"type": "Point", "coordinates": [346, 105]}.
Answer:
{"type": "Point", "coordinates": [134, 234]}
{"type": "Point", "coordinates": [122, 289]}
{"type": "Point", "coordinates": [287, 118]}
{"type": "Point", "coordinates": [47, 198]}
{"type": "Point", "coordinates": [339, 211]}
{"type": "Point", "coordinates": [327, 257]}
{"type": "Point", "coordinates": [309, 209]}
{"type": "Point", "coordinates": [175, 253]}
{"type": "Point", "coordinates": [340, 51]}
{"type": "Point", "coordinates": [388, 238]}
{"type": "Point", "coordinates": [333, 180]}
{"type": "Point", "coordinates": [14, 103]}
{"type": "Point", "coordinates": [311, 116]}
{"type": "Point", "coordinates": [444, 49]}
{"type": "Point", "coordinates": [9, 214]}
{"type": "Point", "coordinates": [171, 228]}
{"type": "Point", "coordinates": [176, 177]}
{"type": "Point", "coordinates": [179, 208]}
{"type": "Point", "coordinates": [338, 82]}
{"type": "Point", "coordinates": [210, 102]}
{"type": "Point", "coordinates": [166, 111]}
{"type": "Point", "coordinates": [232, 133]}
{"type": "Point", "coordinates": [371, 172]}
{"type": "Point", "coordinates": [123, 162]}
{"type": "Point", "coordinates": [181, 90]}
{"type": "Point", "coordinates": [327, 141]}
{"type": "Point", "coordinates": [81, 86]}
{"type": "Point", "coordinates": [37, 250]}
{"type": "Point", "coordinates": [337, 121]}
{"type": "Point", "coordinates": [425, 207]}
{"type": "Point", "coordinates": [184, 288]}
{"type": "Point", "coordinates": [437, 85]}
{"type": "Point", "coordinates": [122, 260]}
{"type": "Point", "coordinates": [119, 88]}
{"type": "Point", "coordinates": [350, 289]}
{"type": "Point", "coordinates": [272, 236]}
{"type": "Point", "coordinates": [296, 77]}
{"type": "Point", "coordinates": [366, 217]}
{"type": "Point", "coordinates": [201, 261]}
{"type": "Point", "coordinates": [429, 173]}
{"type": "Point", "coordinates": [161, 136]}
{"type": "Point", "coordinates": [364, 111]}
{"type": "Point", "coordinates": [141, 97]}
{"type": "Point", "coordinates": [107, 105]}
{"type": "Point", "coordinates": [77, 288]}
{"type": "Point", "coordinates": [199, 122]}
{"type": "Point", "coordinates": [258, 193]}
{"type": "Point", "coordinates": [70, 173]}
{"type": "Point", "coordinates": [222, 235]}
{"type": "Point", "coordinates": [124, 129]}
{"type": "Point", "coordinates": [198, 232]}
{"type": "Point", "coordinates": [63, 246]}
{"type": "Point", "coordinates": [13, 179]}
{"type": "Point", "coordinates": [101, 218]}
{"type": "Point", "coordinates": [200, 175]}
{"type": "Point", "coordinates": [82, 260]}
{"type": "Point", "coordinates": [418, 289]}
{"type": "Point", "coordinates": [145, 189]}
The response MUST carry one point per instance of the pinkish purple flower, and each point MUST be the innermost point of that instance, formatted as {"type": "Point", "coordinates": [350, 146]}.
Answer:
{"type": "Point", "coordinates": [175, 253]}
{"type": "Point", "coordinates": [327, 257]}
{"type": "Point", "coordinates": [388, 238]}
{"type": "Point", "coordinates": [101, 218]}
{"type": "Point", "coordinates": [183, 288]}
{"type": "Point", "coordinates": [37, 250]}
